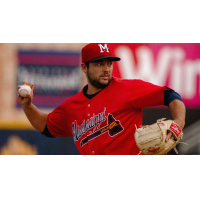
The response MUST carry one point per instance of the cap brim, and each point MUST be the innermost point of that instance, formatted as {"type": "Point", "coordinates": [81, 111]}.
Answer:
{"type": "Point", "coordinates": [103, 57]}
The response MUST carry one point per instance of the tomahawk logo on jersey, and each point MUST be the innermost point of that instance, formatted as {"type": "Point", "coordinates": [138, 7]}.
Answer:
{"type": "Point", "coordinates": [113, 128]}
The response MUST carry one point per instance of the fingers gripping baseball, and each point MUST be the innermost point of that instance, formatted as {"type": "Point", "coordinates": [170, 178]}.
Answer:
{"type": "Point", "coordinates": [25, 93]}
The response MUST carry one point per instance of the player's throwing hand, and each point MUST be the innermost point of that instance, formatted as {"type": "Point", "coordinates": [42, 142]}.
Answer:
{"type": "Point", "coordinates": [26, 101]}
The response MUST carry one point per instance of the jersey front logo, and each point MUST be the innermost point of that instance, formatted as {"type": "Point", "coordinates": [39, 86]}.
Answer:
{"type": "Point", "coordinates": [103, 48]}
{"type": "Point", "coordinates": [114, 127]}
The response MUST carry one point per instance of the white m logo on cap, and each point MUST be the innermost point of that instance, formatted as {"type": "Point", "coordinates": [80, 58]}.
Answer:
{"type": "Point", "coordinates": [103, 48]}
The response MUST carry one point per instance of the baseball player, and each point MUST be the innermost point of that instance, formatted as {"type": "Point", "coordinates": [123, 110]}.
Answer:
{"type": "Point", "coordinates": [103, 116]}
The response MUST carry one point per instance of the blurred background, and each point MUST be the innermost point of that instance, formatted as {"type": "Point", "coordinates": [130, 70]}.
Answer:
{"type": "Point", "coordinates": [54, 68]}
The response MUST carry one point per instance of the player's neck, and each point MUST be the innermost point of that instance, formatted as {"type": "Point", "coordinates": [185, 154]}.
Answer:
{"type": "Point", "coordinates": [92, 90]}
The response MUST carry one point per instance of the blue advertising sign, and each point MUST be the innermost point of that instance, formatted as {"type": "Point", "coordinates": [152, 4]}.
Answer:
{"type": "Point", "coordinates": [55, 75]}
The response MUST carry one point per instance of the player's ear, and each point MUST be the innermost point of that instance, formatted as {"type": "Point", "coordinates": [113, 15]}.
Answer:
{"type": "Point", "coordinates": [84, 67]}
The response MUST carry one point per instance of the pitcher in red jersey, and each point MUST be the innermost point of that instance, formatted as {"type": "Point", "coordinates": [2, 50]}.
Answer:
{"type": "Point", "coordinates": [103, 116]}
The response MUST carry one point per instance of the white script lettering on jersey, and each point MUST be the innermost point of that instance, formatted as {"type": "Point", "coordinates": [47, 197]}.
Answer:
{"type": "Point", "coordinates": [103, 48]}
{"type": "Point", "coordinates": [93, 122]}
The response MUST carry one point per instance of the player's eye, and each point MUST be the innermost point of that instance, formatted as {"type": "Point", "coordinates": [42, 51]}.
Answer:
{"type": "Point", "coordinates": [110, 64]}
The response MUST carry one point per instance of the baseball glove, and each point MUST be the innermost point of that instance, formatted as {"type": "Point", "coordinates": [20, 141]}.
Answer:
{"type": "Point", "coordinates": [151, 139]}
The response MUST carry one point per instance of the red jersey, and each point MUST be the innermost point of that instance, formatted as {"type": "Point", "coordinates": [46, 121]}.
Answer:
{"type": "Point", "coordinates": [106, 123]}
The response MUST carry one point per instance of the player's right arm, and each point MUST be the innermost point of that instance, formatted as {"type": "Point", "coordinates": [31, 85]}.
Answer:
{"type": "Point", "coordinates": [37, 118]}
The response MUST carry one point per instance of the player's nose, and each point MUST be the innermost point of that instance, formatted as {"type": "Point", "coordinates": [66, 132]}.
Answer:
{"type": "Point", "coordinates": [106, 67]}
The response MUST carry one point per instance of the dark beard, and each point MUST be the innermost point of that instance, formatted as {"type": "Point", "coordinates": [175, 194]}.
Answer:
{"type": "Point", "coordinates": [96, 83]}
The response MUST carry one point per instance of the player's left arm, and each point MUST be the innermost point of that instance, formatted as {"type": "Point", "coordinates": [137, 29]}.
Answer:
{"type": "Point", "coordinates": [178, 111]}
{"type": "Point", "coordinates": [177, 108]}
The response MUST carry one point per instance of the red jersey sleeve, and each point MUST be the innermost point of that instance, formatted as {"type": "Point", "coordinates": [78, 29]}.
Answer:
{"type": "Point", "coordinates": [56, 123]}
{"type": "Point", "coordinates": [144, 94]}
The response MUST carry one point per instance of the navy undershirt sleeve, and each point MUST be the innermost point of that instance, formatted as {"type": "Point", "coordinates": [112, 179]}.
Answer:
{"type": "Point", "coordinates": [169, 96]}
{"type": "Point", "coordinates": [47, 133]}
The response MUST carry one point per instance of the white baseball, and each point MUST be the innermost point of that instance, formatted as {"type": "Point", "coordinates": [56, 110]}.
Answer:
{"type": "Point", "coordinates": [24, 90]}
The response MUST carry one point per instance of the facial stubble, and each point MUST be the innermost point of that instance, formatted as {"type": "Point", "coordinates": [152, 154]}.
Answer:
{"type": "Point", "coordinates": [96, 82]}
